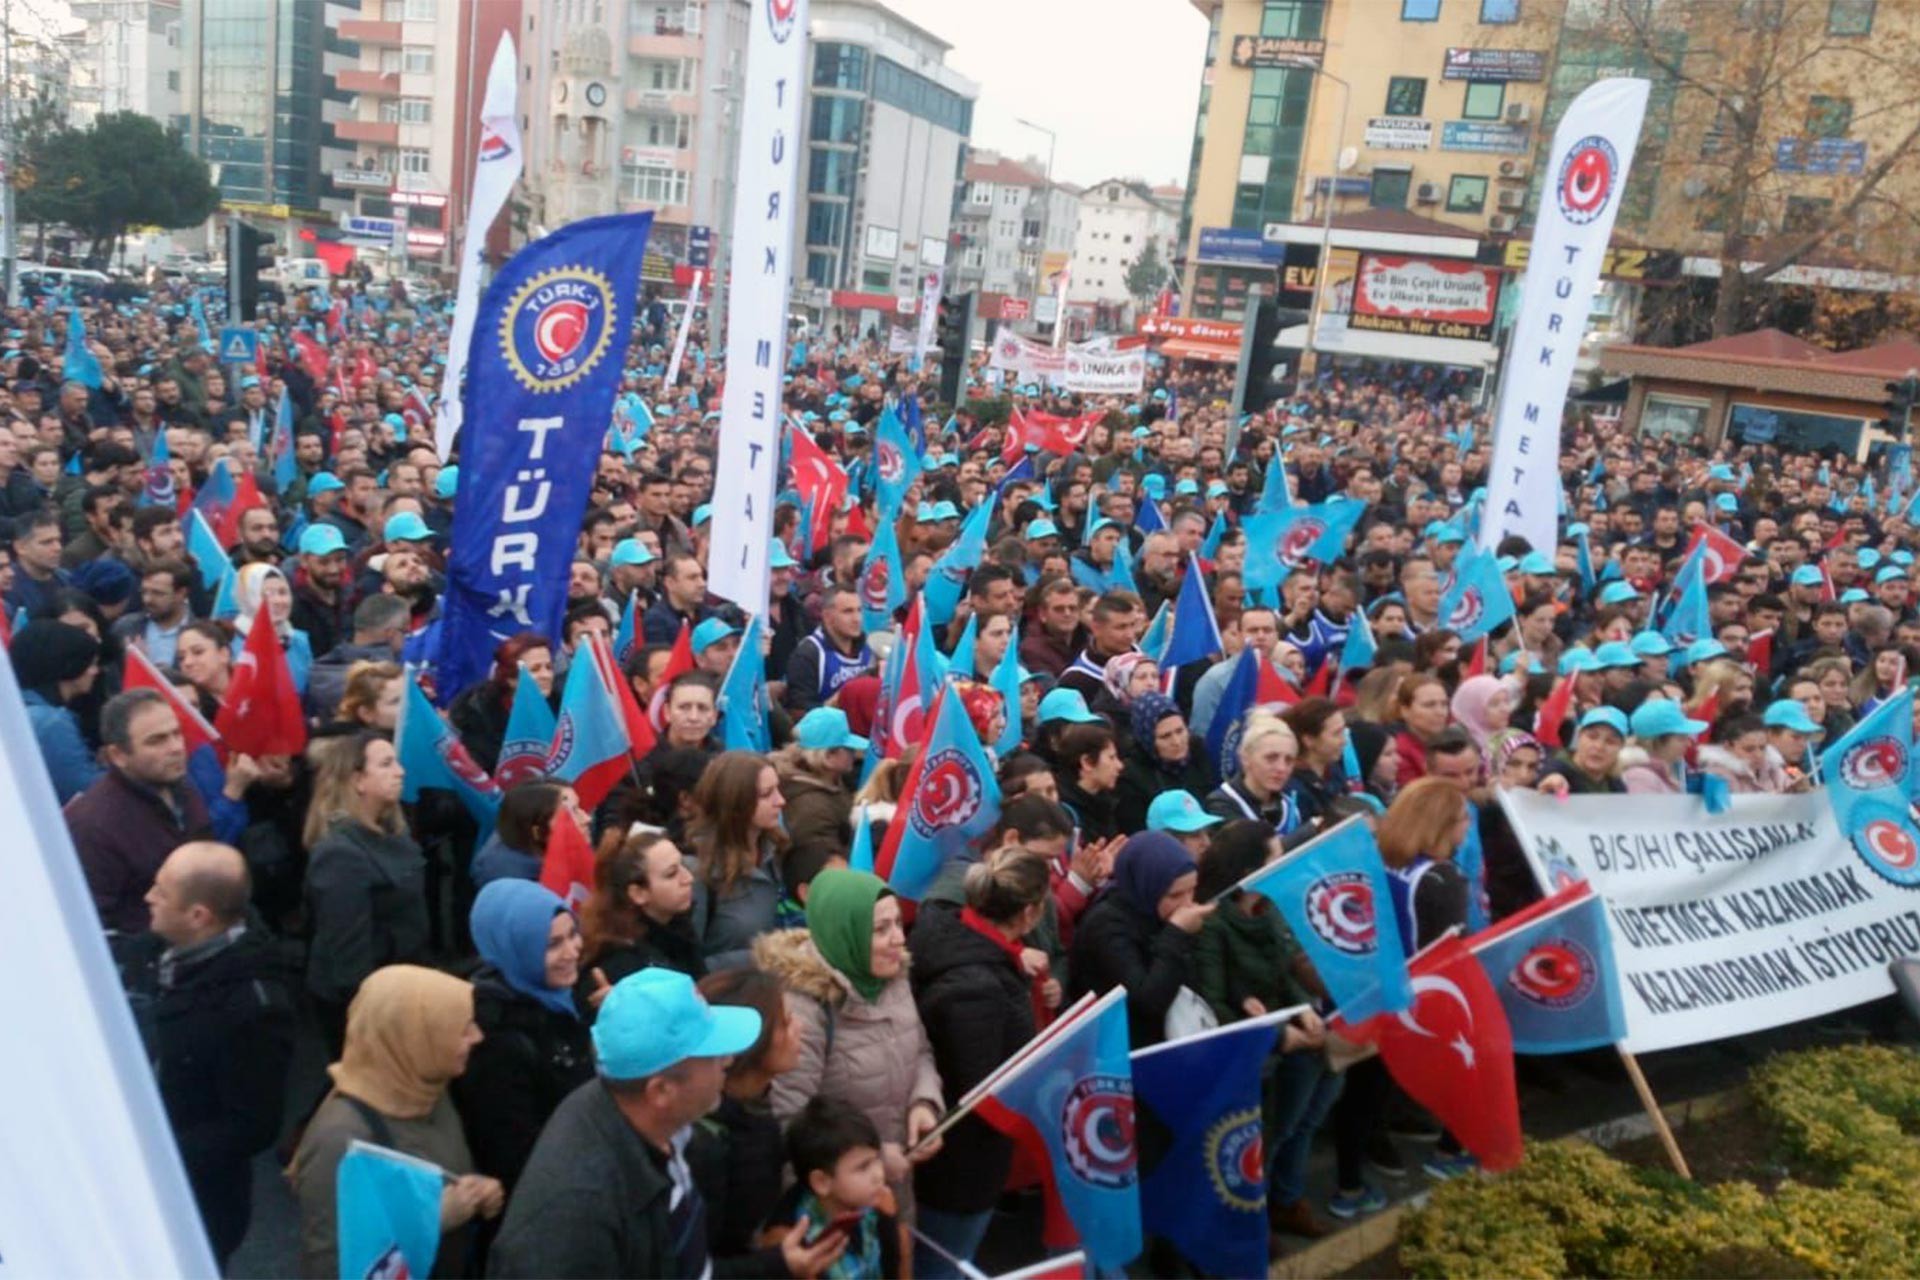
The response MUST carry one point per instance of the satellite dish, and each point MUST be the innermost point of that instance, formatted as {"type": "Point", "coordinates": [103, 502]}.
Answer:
{"type": "Point", "coordinates": [1349, 157]}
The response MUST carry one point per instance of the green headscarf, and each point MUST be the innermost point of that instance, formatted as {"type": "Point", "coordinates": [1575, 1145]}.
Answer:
{"type": "Point", "coordinates": [840, 921]}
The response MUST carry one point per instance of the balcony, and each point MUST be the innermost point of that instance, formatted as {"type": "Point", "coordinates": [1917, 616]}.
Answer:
{"type": "Point", "coordinates": [663, 44]}
{"type": "Point", "coordinates": [662, 102]}
{"type": "Point", "coordinates": [378, 83]}
{"type": "Point", "coordinates": [378, 132]}
{"type": "Point", "coordinates": [366, 31]}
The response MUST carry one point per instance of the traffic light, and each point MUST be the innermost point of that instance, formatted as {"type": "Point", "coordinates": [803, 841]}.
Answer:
{"type": "Point", "coordinates": [249, 251]}
{"type": "Point", "coordinates": [1902, 396]}
{"type": "Point", "coordinates": [951, 330]}
{"type": "Point", "coordinates": [1267, 368]}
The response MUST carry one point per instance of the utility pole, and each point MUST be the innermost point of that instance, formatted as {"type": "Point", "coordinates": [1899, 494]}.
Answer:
{"type": "Point", "coordinates": [9, 234]}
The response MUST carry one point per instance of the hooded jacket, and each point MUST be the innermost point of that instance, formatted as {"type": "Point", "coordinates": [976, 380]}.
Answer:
{"type": "Point", "coordinates": [873, 1054]}
{"type": "Point", "coordinates": [531, 1059]}
{"type": "Point", "coordinates": [819, 810]}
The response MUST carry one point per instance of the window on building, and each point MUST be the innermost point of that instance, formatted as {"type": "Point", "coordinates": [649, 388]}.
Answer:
{"type": "Point", "coordinates": [417, 60]}
{"type": "Point", "coordinates": [649, 185]}
{"type": "Point", "coordinates": [1011, 195]}
{"type": "Point", "coordinates": [675, 132]}
{"type": "Point", "coordinates": [389, 62]}
{"type": "Point", "coordinates": [1406, 95]}
{"type": "Point", "coordinates": [1829, 117]}
{"type": "Point", "coordinates": [840, 66]}
{"type": "Point", "coordinates": [826, 222]}
{"type": "Point", "coordinates": [420, 10]}
{"type": "Point", "coordinates": [820, 270]}
{"type": "Point", "coordinates": [1419, 10]}
{"type": "Point", "coordinates": [836, 119]}
{"type": "Point", "coordinates": [415, 160]}
{"type": "Point", "coordinates": [389, 111]}
{"type": "Point", "coordinates": [416, 111]}
{"type": "Point", "coordinates": [173, 81]}
{"type": "Point", "coordinates": [831, 173]}
{"type": "Point", "coordinates": [1467, 193]}
{"type": "Point", "coordinates": [1671, 418]}
{"type": "Point", "coordinates": [1499, 11]}
{"type": "Point", "coordinates": [1390, 188]}
{"type": "Point", "coordinates": [1030, 229]}
{"type": "Point", "coordinates": [980, 193]}
{"type": "Point", "coordinates": [1804, 213]}
{"type": "Point", "coordinates": [975, 258]}
{"type": "Point", "coordinates": [1485, 100]}
{"type": "Point", "coordinates": [1849, 17]}
{"type": "Point", "coordinates": [1287, 18]}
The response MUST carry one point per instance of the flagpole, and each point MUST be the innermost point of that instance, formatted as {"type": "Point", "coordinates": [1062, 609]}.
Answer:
{"type": "Point", "coordinates": [1264, 1020]}
{"type": "Point", "coordinates": [1652, 1108]}
{"type": "Point", "coordinates": [1013, 1067]}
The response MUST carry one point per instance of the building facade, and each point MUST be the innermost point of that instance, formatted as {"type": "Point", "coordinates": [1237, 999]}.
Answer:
{"type": "Point", "coordinates": [886, 125]}
{"type": "Point", "coordinates": [1119, 219]}
{"type": "Point", "coordinates": [261, 102]}
{"type": "Point", "coordinates": [126, 58]}
{"type": "Point", "coordinates": [1015, 234]}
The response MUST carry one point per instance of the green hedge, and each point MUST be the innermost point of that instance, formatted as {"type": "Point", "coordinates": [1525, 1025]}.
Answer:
{"type": "Point", "coordinates": [1845, 1121]}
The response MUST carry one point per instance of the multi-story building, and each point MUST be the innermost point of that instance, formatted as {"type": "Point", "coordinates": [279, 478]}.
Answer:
{"type": "Point", "coordinates": [1119, 219]}
{"type": "Point", "coordinates": [886, 124]}
{"type": "Point", "coordinates": [1016, 233]}
{"type": "Point", "coordinates": [261, 103]}
{"type": "Point", "coordinates": [126, 58]}
{"type": "Point", "coordinates": [415, 90]}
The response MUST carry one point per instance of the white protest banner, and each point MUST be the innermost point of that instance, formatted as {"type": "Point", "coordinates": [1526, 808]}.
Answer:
{"type": "Point", "coordinates": [92, 1182]}
{"type": "Point", "coordinates": [1726, 923]}
{"type": "Point", "coordinates": [899, 341]}
{"type": "Point", "coordinates": [495, 170]}
{"type": "Point", "coordinates": [1026, 359]}
{"type": "Point", "coordinates": [1586, 172]}
{"type": "Point", "coordinates": [1119, 373]}
{"type": "Point", "coordinates": [761, 260]}
{"type": "Point", "coordinates": [686, 324]}
{"type": "Point", "coordinates": [929, 312]}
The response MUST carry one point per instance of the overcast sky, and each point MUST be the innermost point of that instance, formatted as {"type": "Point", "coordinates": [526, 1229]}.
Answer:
{"type": "Point", "coordinates": [1118, 80]}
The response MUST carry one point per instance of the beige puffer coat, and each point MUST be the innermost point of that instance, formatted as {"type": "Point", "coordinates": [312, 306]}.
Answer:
{"type": "Point", "coordinates": [879, 1060]}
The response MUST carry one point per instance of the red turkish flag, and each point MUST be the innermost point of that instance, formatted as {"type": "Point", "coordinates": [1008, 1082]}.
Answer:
{"type": "Point", "coordinates": [640, 731]}
{"type": "Point", "coordinates": [679, 662]}
{"type": "Point", "coordinates": [261, 716]}
{"type": "Point", "coordinates": [1552, 715]}
{"type": "Point", "coordinates": [1047, 432]}
{"type": "Point", "coordinates": [567, 868]}
{"type": "Point", "coordinates": [142, 674]}
{"type": "Point", "coordinates": [1452, 1051]}
{"type": "Point", "coordinates": [1721, 559]}
{"type": "Point", "coordinates": [1274, 687]}
{"type": "Point", "coordinates": [822, 484]}
{"type": "Point", "coordinates": [1760, 652]}
{"type": "Point", "coordinates": [312, 356]}
{"type": "Point", "coordinates": [246, 496]}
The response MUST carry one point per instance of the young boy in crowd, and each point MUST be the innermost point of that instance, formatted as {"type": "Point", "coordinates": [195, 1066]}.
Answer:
{"type": "Point", "coordinates": [840, 1185]}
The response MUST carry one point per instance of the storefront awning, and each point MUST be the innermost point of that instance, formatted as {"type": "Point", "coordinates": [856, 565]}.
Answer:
{"type": "Point", "coordinates": [1188, 349]}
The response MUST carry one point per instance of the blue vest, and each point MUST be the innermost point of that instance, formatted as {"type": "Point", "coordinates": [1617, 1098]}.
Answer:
{"type": "Point", "coordinates": [836, 668]}
{"type": "Point", "coordinates": [1402, 882]}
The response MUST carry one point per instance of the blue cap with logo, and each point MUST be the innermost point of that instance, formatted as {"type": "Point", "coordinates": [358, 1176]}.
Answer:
{"type": "Point", "coordinates": [1178, 811]}
{"type": "Point", "coordinates": [1662, 717]}
{"type": "Point", "coordinates": [406, 526]}
{"type": "Point", "coordinates": [1604, 718]}
{"type": "Point", "coordinates": [712, 632]}
{"type": "Point", "coordinates": [826, 729]}
{"type": "Point", "coordinates": [655, 1019]}
{"type": "Point", "coordinates": [632, 553]}
{"type": "Point", "coordinates": [321, 540]}
{"type": "Point", "coordinates": [1066, 704]}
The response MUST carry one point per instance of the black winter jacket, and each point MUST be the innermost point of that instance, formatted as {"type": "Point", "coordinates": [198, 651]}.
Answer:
{"type": "Point", "coordinates": [1144, 780]}
{"type": "Point", "coordinates": [977, 1011]}
{"type": "Point", "coordinates": [531, 1059]}
{"type": "Point", "coordinates": [221, 1038]}
{"type": "Point", "coordinates": [1113, 946]}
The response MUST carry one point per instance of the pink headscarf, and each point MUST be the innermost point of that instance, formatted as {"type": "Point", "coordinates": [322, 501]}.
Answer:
{"type": "Point", "coordinates": [1470, 706]}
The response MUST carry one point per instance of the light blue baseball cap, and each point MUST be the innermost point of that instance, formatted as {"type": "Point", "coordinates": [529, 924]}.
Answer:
{"type": "Point", "coordinates": [712, 632]}
{"type": "Point", "coordinates": [632, 552]}
{"type": "Point", "coordinates": [778, 557]}
{"type": "Point", "coordinates": [702, 514]}
{"type": "Point", "coordinates": [1178, 811]}
{"type": "Point", "coordinates": [826, 729]}
{"type": "Point", "coordinates": [1727, 503]}
{"type": "Point", "coordinates": [1041, 528]}
{"type": "Point", "coordinates": [324, 482]}
{"type": "Point", "coordinates": [1892, 573]}
{"type": "Point", "coordinates": [406, 526]}
{"type": "Point", "coordinates": [1618, 593]}
{"type": "Point", "coordinates": [1512, 660]}
{"type": "Point", "coordinates": [655, 1018]}
{"type": "Point", "coordinates": [1577, 660]}
{"type": "Point", "coordinates": [1868, 557]}
{"type": "Point", "coordinates": [1539, 564]}
{"type": "Point", "coordinates": [1808, 575]}
{"type": "Point", "coordinates": [1616, 653]}
{"type": "Point", "coordinates": [944, 510]}
{"type": "Point", "coordinates": [1789, 714]}
{"type": "Point", "coordinates": [447, 483]}
{"type": "Point", "coordinates": [1650, 644]}
{"type": "Point", "coordinates": [1447, 534]}
{"type": "Point", "coordinates": [1721, 471]}
{"type": "Point", "coordinates": [1066, 704]}
{"type": "Point", "coordinates": [1604, 717]}
{"type": "Point", "coordinates": [1661, 717]}
{"type": "Point", "coordinates": [1705, 651]}
{"type": "Point", "coordinates": [1854, 595]}
{"type": "Point", "coordinates": [321, 540]}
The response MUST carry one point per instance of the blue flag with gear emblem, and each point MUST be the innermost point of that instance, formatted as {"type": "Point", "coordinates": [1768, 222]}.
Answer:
{"type": "Point", "coordinates": [1477, 600]}
{"type": "Point", "coordinates": [1207, 1191]}
{"type": "Point", "coordinates": [1869, 777]}
{"type": "Point", "coordinates": [549, 347]}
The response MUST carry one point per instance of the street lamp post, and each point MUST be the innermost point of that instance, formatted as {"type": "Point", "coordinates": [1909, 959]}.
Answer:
{"type": "Point", "coordinates": [1326, 208]}
{"type": "Point", "coordinates": [1046, 223]}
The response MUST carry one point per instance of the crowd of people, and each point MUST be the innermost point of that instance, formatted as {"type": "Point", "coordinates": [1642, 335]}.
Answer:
{"type": "Point", "coordinates": [724, 1061]}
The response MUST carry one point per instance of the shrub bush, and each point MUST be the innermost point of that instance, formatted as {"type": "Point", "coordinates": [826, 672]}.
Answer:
{"type": "Point", "coordinates": [1845, 1120]}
